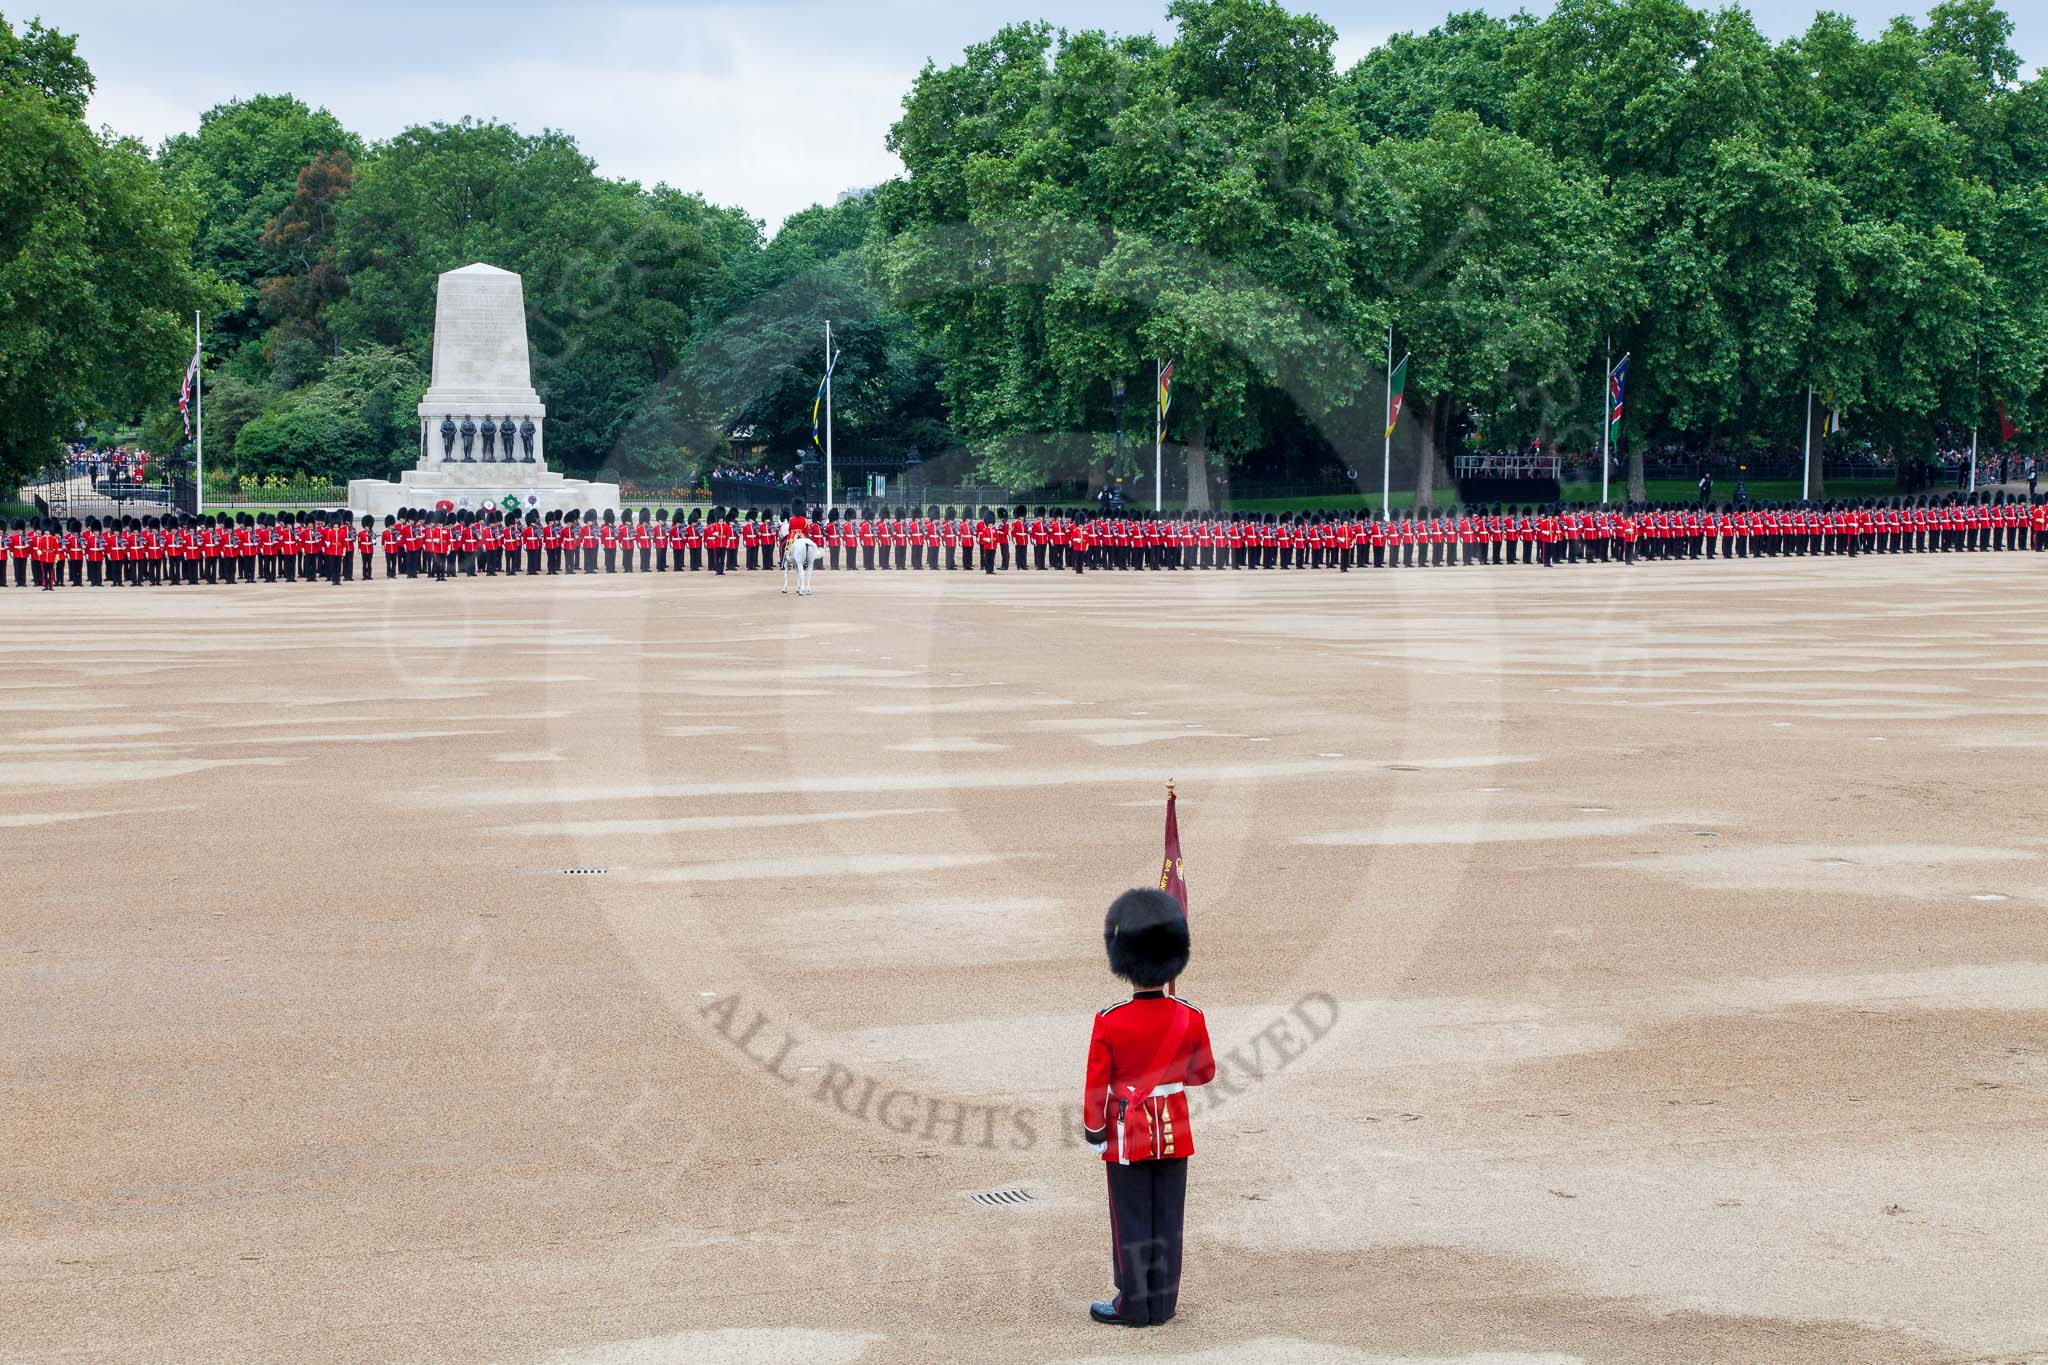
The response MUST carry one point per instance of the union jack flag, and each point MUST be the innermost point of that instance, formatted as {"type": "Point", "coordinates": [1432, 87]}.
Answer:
{"type": "Point", "coordinates": [185, 392]}
{"type": "Point", "coordinates": [1617, 382]}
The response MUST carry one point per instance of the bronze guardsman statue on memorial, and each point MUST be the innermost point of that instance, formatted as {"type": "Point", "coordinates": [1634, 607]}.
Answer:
{"type": "Point", "coordinates": [505, 439]}
{"type": "Point", "coordinates": [468, 439]}
{"type": "Point", "coordinates": [447, 439]}
{"type": "Point", "coordinates": [490, 432]}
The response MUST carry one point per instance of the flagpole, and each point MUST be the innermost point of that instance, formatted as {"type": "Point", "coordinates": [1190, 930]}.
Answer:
{"type": "Point", "coordinates": [1806, 470]}
{"type": "Point", "coordinates": [1158, 435]}
{"type": "Point", "coordinates": [1387, 448]}
{"type": "Point", "coordinates": [828, 412]}
{"type": "Point", "coordinates": [1976, 375]}
{"type": "Point", "coordinates": [1607, 422]}
{"type": "Point", "coordinates": [1172, 987]}
{"type": "Point", "coordinates": [198, 425]}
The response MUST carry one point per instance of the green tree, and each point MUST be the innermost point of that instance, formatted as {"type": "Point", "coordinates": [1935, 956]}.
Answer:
{"type": "Point", "coordinates": [1460, 66]}
{"type": "Point", "coordinates": [299, 244]}
{"type": "Point", "coordinates": [243, 165]}
{"type": "Point", "coordinates": [43, 61]}
{"type": "Point", "coordinates": [359, 421]}
{"type": "Point", "coordinates": [1076, 208]}
{"type": "Point", "coordinates": [97, 285]}
{"type": "Point", "coordinates": [1501, 267]}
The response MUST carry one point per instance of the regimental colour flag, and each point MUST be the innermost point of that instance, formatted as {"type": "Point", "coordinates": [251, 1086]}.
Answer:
{"type": "Point", "coordinates": [1397, 388]}
{"type": "Point", "coordinates": [1831, 420]}
{"type": "Point", "coordinates": [1172, 875]}
{"type": "Point", "coordinates": [1165, 389]}
{"type": "Point", "coordinates": [2006, 430]}
{"type": "Point", "coordinates": [1617, 386]}
{"type": "Point", "coordinates": [185, 392]}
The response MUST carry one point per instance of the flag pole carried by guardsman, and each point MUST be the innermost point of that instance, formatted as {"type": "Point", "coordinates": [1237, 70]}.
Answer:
{"type": "Point", "coordinates": [1172, 874]}
{"type": "Point", "coordinates": [1142, 1055]}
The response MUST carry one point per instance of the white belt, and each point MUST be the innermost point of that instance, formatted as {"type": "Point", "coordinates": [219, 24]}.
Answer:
{"type": "Point", "coordinates": [1173, 1088]}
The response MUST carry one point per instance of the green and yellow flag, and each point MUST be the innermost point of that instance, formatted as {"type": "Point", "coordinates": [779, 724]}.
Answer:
{"type": "Point", "coordinates": [1397, 386]}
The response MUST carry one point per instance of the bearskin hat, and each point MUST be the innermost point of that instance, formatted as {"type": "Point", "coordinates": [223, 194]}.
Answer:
{"type": "Point", "coordinates": [1147, 937]}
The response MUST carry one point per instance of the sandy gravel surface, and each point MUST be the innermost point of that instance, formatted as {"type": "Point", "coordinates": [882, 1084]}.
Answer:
{"type": "Point", "coordinates": [1644, 965]}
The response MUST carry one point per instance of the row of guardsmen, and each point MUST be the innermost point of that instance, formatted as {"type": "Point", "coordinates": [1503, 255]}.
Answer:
{"type": "Point", "coordinates": [288, 547]}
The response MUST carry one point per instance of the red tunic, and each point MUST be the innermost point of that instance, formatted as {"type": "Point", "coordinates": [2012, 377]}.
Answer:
{"type": "Point", "coordinates": [1142, 1055]}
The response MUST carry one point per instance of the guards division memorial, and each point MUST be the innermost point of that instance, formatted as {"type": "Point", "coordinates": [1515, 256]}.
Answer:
{"type": "Point", "coordinates": [482, 426]}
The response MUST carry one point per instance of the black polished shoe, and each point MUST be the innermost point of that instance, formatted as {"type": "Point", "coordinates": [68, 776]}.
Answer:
{"type": "Point", "coordinates": [1106, 1313]}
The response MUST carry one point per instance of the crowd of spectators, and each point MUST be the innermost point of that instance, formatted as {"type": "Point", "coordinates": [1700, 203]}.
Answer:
{"type": "Point", "coordinates": [105, 465]}
{"type": "Point", "coordinates": [754, 478]}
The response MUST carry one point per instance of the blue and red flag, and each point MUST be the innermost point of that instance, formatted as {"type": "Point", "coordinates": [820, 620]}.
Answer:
{"type": "Point", "coordinates": [1617, 384]}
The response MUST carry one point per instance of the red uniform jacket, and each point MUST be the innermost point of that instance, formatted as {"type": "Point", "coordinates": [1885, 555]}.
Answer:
{"type": "Point", "coordinates": [1143, 1054]}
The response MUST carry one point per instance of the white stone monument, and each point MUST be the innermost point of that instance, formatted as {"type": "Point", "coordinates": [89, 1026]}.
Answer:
{"type": "Point", "coordinates": [482, 427]}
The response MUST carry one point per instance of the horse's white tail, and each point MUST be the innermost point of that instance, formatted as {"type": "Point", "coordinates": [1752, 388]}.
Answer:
{"type": "Point", "coordinates": [799, 554]}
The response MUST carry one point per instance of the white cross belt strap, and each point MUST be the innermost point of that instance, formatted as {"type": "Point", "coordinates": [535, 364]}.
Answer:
{"type": "Point", "coordinates": [1173, 1088]}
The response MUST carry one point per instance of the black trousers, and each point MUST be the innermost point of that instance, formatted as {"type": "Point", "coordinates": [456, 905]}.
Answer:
{"type": "Point", "coordinates": [1147, 1204]}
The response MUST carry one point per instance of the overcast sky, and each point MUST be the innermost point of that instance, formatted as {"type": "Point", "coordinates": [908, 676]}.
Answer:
{"type": "Point", "coordinates": [771, 105]}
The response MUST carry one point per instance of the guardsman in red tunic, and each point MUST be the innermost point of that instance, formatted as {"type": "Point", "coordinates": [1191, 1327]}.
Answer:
{"type": "Point", "coordinates": [551, 537]}
{"type": "Point", "coordinates": [642, 528]}
{"type": "Point", "coordinates": [43, 550]}
{"type": "Point", "coordinates": [714, 541]}
{"type": "Point", "coordinates": [117, 541]}
{"type": "Point", "coordinates": [986, 537]}
{"type": "Point", "coordinates": [309, 544]}
{"type": "Point", "coordinates": [688, 536]}
{"type": "Point", "coordinates": [825, 535]}
{"type": "Point", "coordinates": [863, 539]}
{"type": "Point", "coordinates": [95, 553]}
{"type": "Point", "coordinates": [147, 556]}
{"type": "Point", "coordinates": [885, 538]}
{"type": "Point", "coordinates": [74, 551]}
{"type": "Point", "coordinates": [1143, 1054]}
{"type": "Point", "coordinates": [524, 533]}
{"type": "Point", "coordinates": [911, 555]}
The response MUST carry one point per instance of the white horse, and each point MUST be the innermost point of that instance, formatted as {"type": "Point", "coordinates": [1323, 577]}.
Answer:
{"type": "Point", "coordinates": [799, 553]}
